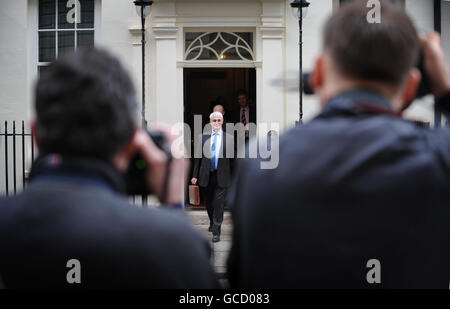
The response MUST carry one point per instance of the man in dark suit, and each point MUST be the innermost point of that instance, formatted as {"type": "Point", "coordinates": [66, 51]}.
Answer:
{"type": "Point", "coordinates": [212, 171]}
{"type": "Point", "coordinates": [244, 114]}
{"type": "Point", "coordinates": [360, 196]}
{"type": "Point", "coordinates": [73, 225]}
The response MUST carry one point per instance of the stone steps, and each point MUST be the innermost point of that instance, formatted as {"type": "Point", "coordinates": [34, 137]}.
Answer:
{"type": "Point", "coordinates": [200, 217]}
{"type": "Point", "coordinates": [219, 250]}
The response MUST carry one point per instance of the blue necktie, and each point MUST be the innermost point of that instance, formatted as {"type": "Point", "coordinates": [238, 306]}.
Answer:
{"type": "Point", "coordinates": [213, 151]}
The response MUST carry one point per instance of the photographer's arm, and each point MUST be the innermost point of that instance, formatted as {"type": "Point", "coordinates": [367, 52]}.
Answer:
{"type": "Point", "coordinates": [157, 165]}
{"type": "Point", "coordinates": [437, 68]}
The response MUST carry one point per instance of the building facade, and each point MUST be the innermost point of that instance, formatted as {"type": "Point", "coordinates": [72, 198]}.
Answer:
{"type": "Point", "coordinates": [193, 49]}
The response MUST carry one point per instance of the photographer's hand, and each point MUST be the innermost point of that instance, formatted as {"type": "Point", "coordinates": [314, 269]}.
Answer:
{"type": "Point", "coordinates": [436, 67]}
{"type": "Point", "coordinates": [157, 165]}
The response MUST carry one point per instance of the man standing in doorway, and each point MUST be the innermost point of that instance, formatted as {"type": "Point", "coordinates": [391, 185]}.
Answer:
{"type": "Point", "coordinates": [245, 114]}
{"type": "Point", "coordinates": [212, 171]}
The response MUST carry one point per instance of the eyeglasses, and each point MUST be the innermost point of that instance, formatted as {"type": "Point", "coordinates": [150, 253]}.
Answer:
{"type": "Point", "coordinates": [216, 120]}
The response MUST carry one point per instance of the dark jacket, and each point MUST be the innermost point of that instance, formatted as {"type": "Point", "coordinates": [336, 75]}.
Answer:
{"type": "Point", "coordinates": [354, 184]}
{"type": "Point", "coordinates": [74, 210]}
{"type": "Point", "coordinates": [236, 118]}
{"type": "Point", "coordinates": [202, 163]}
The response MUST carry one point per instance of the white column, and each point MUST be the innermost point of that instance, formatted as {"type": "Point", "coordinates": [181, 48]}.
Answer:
{"type": "Point", "coordinates": [168, 105]}
{"type": "Point", "coordinates": [271, 96]}
{"type": "Point", "coordinates": [271, 103]}
{"type": "Point", "coordinates": [168, 108]}
{"type": "Point", "coordinates": [168, 78]}
{"type": "Point", "coordinates": [135, 63]}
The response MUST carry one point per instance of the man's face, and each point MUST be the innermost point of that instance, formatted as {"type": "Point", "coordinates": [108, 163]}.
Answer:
{"type": "Point", "coordinates": [216, 122]}
{"type": "Point", "coordinates": [242, 100]}
{"type": "Point", "coordinates": [219, 108]}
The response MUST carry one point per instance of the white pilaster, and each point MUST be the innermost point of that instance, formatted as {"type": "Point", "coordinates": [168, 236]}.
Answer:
{"type": "Point", "coordinates": [271, 98]}
{"type": "Point", "coordinates": [168, 105]}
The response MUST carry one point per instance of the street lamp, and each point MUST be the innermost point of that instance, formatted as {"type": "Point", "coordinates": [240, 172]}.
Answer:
{"type": "Point", "coordinates": [300, 7]}
{"type": "Point", "coordinates": [143, 8]}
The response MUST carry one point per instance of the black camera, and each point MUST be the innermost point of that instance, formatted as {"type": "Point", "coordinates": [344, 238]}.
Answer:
{"type": "Point", "coordinates": [307, 89]}
{"type": "Point", "coordinates": [135, 176]}
{"type": "Point", "coordinates": [424, 87]}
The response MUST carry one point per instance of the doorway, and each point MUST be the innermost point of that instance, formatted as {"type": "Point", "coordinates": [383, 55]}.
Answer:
{"type": "Point", "coordinates": [204, 87]}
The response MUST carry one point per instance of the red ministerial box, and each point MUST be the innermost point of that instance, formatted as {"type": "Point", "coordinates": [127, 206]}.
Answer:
{"type": "Point", "coordinates": [194, 195]}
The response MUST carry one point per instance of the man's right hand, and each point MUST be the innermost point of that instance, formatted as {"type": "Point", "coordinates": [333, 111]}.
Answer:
{"type": "Point", "coordinates": [194, 181]}
{"type": "Point", "coordinates": [436, 67]}
{"type": "Point", "coordinates": [157, 165]}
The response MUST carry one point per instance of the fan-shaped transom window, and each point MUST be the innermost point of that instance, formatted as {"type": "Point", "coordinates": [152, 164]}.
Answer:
{"type": "Point", "coordinates": [219, 46]}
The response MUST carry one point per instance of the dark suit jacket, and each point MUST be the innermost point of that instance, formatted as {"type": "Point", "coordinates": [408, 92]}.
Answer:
{"type": "Point", "coordinates": [77, 215]}
{"type": "Point", "coordinates": [202, 165]}
{"type": "Point", "coordinates": [235, 115]}
{"type": "Point", "coordinates": [354, 184]}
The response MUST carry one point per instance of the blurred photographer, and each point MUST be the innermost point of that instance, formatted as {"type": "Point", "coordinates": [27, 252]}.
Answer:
{"type": "Point", "coordinates": [75, 207]}
{"type": "Point", "coordinates": [360, 196]}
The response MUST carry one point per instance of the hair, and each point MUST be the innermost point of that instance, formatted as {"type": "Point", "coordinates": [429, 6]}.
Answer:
{"type": "Point", "coordinates": [382, 52]}
{"type": "Point", "coordinates": [218, 104]}
{"type": "Point", "coordinates": [85, 105]}
{"type": "Point", "coordinates": [215, 114]}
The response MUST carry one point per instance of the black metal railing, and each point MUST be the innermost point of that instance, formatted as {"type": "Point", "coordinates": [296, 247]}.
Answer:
{"type": "Point", "coordinates": [17, 145]}
{"type": "Point", "coordinates": [11, 138]}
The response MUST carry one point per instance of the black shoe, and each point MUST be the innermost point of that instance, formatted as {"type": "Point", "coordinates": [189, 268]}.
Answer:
{"type": "Point", "coordinates": [216, 238]}
{"type": "Point", "coordinates": [210, 228]}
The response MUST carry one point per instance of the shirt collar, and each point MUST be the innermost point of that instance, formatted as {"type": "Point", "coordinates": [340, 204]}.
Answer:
{"type": "Point", "coordinates": [88, 170]}
{"type": "Point", "coordinates": [218, 132]}
{"type": "Point", "coordinates": [346, 100]}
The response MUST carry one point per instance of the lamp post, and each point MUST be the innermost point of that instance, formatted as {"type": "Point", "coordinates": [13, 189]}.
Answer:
{"type": "Point", "coordinates": [143, 8]}
{"type": "Point", "coordinates": [300, 8]}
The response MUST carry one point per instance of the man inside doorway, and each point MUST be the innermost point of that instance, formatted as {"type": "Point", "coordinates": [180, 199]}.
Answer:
{"type": "Point", "coordinates": [244, 114]}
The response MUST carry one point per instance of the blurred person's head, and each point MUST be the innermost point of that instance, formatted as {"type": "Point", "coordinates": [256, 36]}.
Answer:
{"type": "Point", "coordinates": [219, 108]}
{"type": "Point", "coordinates": [85, 106]}
{"type": "Point", "coordinates": [381, 56]}
{"type": "Point", "coordinates": [242, 98]}
{"type": "Point", "coordinates": [216, 120]}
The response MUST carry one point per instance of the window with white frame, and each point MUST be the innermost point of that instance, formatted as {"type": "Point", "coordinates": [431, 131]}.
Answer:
{"type": "Point", "coordinates": [64, 25]}
{"type": "Point", "coordinates": [219, 46]}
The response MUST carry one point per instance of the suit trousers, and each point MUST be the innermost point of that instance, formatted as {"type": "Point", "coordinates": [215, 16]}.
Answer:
{"type": "Point", "coordinates": [215, 202]}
